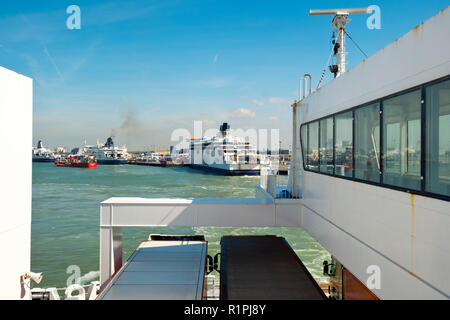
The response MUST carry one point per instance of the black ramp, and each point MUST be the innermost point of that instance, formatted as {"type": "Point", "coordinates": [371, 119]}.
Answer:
{"type": "Point", "coordinates": [264, 268]}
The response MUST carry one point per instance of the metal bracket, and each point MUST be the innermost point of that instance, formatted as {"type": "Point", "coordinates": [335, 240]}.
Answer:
{"type": "Point", "coordinates": [216, 261]}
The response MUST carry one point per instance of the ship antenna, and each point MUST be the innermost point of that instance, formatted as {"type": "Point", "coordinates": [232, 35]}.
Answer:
{"type": "Point", "coordinates": [339, 21]}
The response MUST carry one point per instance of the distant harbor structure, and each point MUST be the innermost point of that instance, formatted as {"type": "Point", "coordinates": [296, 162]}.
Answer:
{"type": "Point", "coordinates": [222, 154]}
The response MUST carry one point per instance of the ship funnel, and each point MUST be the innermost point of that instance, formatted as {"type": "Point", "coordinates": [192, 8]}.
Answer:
{"type": "Point", "coordinates": [39, 145]}
{"type": "Point", "coordinates": [339, 21]}
{"type": "Point", "coordinates": [109, 143]}
{"type": "Point", "coordinates": [224, 128]}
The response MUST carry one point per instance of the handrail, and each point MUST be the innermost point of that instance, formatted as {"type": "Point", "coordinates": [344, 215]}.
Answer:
{"type": "Point", "coordinates": [302, 91]}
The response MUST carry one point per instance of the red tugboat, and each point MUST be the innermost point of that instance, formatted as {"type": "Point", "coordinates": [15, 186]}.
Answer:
{"type": "Point", "coordinates": [77, 161]}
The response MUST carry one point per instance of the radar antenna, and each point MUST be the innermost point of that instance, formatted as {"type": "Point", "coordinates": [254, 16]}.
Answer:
{"type": "Point", "coordinates": [339, 21]}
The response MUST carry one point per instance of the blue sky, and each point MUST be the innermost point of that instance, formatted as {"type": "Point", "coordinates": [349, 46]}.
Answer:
{"type": "Point", "coordinates": [139, 69]}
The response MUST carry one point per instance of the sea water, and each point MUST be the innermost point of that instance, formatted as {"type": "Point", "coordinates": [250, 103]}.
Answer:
{"type": "Point", "coordinates": [66, 208]}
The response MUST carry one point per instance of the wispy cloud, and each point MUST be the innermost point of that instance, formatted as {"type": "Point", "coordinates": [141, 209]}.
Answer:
{"type": "Point", "coordinates": [257, 102]}
{"type": "Point", "coordinates": [52, 61]}
{"type": "Point", "coordinates": [273, 118]}
{"type": "Point", "coordinates": [208, 123]}
{"type": "Point", "coordinates": [242, 113]}
{"type": "Point", "coordinates": [48, 25]}
{"type": "Point", "coordinates": [114, 12]}
{"type": "Point", "coordinates": [213, 83]}
{"type": "Point", "coordinates": [32, 26]}
{"type": "Point", "coordinates": [278, 100]}
{"type": "Point", "coordinates": [216, 57]}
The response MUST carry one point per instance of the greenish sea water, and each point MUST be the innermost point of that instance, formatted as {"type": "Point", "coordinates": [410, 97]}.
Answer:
{"type": "Point", "coordinates": [66, 206]}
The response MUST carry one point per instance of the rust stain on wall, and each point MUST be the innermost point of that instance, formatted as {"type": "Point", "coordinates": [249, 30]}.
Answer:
{"type": "Point", "coordinates": [413, 221]}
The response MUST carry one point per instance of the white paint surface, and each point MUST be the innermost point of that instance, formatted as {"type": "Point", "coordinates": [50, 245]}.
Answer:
{"type": "Point", "coordinates": [16, 109]}
{"type": "Point", "coordinates": [407, 236]}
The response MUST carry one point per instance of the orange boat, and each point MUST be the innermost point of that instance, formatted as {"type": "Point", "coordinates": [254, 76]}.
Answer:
{"type": "Point", "coordinates": [82, 161]}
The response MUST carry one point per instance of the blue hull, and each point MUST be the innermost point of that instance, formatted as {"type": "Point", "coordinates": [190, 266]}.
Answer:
{"type": "Point", "coordinates": [226, 172]}
{"type": "Point", "coordinates": [44, 160]}
{"type": "Point", "coordinates": [112, 161]}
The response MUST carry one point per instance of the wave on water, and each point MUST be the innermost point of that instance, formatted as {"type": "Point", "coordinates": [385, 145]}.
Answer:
{"type": "Point", "coordinates": [90, 276]}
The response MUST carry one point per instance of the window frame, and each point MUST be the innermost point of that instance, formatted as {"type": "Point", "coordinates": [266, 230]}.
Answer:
{"type": "Point", "coordinates": [379, 104]}
{"type": "Point", "coordinates": [422, 159]}
{"type": "Point", "coordinates": [332, 142]}
{"type": "Point", "coordinates": [352, 110]}
{"type": "Point", "coordinates": [422, 87]}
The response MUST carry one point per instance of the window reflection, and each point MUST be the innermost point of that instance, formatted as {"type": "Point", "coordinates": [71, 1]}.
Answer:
{"type": "Point", "coordinates": [437, 161]}
{"type": "Point", "coordinates": [343, 147]}
{"type": "Point", "coordinates": [313, 146]}
{"type": "Point", "coordinates": [329, 144]}
{"type": "Point", "coordinates": [304, 140]}
{"type": "Point", "coordinates": [401, 140]}
{"type": "Point", "coordinates": [367, 143]}
{"type": "Point", "coordinates": [326, 145]}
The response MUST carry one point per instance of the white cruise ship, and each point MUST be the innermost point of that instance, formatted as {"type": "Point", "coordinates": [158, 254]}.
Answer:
{"type": "Point", "coordinates": [41, 154]}
{"type": "Point", "coordinates": [107, 153]}
{"type": "Point", "coordinates": [224, 154]}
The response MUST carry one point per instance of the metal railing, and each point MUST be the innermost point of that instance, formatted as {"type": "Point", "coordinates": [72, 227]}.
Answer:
{"type": "Point", "coordinates": [212, 287]}
{"type": "Point", "coordinates": [276, 184]}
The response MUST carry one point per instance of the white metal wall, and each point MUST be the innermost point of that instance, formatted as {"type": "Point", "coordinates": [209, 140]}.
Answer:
{"type": "Point", "coordinates": [16, 108]}
{"type": "Point", "coordinates": [407, 236]}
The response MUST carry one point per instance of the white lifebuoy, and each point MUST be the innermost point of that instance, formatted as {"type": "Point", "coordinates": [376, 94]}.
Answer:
{"type": "Point", "coordinates": [75, 287]}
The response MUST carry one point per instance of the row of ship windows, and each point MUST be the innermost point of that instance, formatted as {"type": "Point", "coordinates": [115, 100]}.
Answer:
{"type": "Point", "coordinates": [411, 152]}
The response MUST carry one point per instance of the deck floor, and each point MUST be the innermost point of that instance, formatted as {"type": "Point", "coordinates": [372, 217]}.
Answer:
{"type": "Point", "coordinates": [264, 268]}
{"type": "Point", "coordinates": [160, 270]}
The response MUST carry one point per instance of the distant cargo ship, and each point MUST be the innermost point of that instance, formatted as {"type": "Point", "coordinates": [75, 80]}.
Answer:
{"type": "Point", "coordinates": [77, 161]}
{"type": "Point", "coordinates": [107, 153]}
{"type": "Point", "coordinates": [41, 154]}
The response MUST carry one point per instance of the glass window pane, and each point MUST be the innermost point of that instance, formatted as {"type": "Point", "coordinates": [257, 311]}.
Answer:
{"type": "Point", "coordinates": [402, 140]}
{"type": "Point", "coordinates": [326, 145]}
{"type": "Point", "coordinates": [313, 146]}
{"type": "Point", "coordinates": [367, 143]}
{"type": "Point", "coordinates": [414, 140]}
{"type": "Point", "coordinates": [304, 141]}
{"type": "Point", "coordinates": [437, 160]}
{"type": "Point", "coordinates": [343, 147]}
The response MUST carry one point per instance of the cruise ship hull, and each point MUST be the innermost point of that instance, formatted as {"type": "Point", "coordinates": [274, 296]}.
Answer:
{"type": "Point", "coordinates": [227, 171]}
{"type": "Point", "coordinates": [114, 161]}
{"type": "Point", "coordinates": [43, 159]}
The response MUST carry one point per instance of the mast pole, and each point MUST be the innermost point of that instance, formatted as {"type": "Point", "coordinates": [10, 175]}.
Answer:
{"type": "Point", "coordinates": [340, 20]}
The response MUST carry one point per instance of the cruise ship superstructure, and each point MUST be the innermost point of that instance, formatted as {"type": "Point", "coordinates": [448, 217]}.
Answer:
{"type": "Point", "coordinates": [369, 180]}
{"type": "Point", "coordinates": [224, 154]}
{"type": "Point", "coordinates": [42, 154]}
{"type": "Point", "coordinates": [107, 153]}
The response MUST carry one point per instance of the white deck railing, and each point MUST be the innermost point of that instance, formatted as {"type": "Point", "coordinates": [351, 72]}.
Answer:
{"type": "Point", "coordinates": [116, 213]}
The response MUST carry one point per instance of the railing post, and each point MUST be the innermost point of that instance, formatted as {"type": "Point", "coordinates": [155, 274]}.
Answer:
{"type": "Point", "coordinates": [110, 245]}
{"type": "Point", "coordinates": [294, 150]}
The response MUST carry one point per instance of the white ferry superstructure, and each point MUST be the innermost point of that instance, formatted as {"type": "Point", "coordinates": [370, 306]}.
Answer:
{"type": "Point", "coordinates": [224, 154]}
{"type": "Point", "coordinates": [42, 154]}
{"type": "Point", "coordinates": [372, 161]}
{"type": "Point", "coordinates": [107, 153]}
